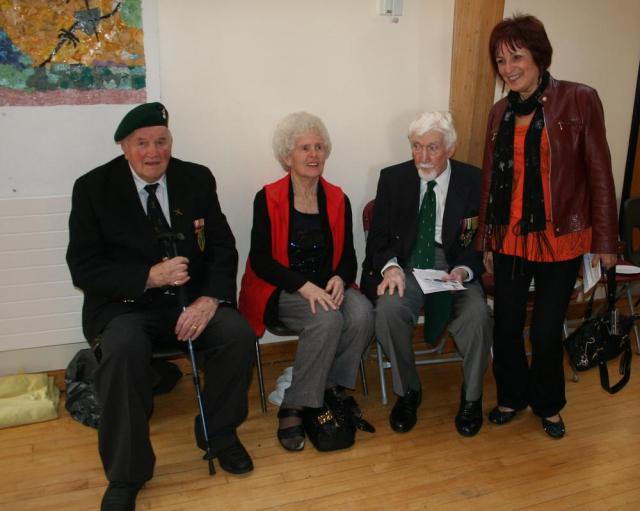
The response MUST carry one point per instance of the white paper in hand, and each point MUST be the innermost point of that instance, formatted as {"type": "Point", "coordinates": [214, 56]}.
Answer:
{"type": "Point", "coordinates": [590, 275]}
{"type": "Point", "coordinates": [430, 281]}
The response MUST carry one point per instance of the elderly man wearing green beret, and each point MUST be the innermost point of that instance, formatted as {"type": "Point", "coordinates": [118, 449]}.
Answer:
{"type": "Point", "coordinates": [121, 214]}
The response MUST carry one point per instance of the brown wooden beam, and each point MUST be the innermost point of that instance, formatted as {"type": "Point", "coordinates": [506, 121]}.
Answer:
{"type": "Point", "coordinates": [472, 78]}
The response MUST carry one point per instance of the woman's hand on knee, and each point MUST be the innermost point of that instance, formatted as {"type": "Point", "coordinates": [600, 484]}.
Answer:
{"type": "Point", "coordinates": [335, 287]}
{"type": "Point", "coordinates": [314, 294]}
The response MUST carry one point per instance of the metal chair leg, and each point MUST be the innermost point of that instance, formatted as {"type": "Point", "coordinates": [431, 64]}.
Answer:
{"type": "Point", "coordinates": [383, 387]}
{"type": "Point", "coordinates": [363, 377]}
{"type": "Point", "coordinates": [263, 397]}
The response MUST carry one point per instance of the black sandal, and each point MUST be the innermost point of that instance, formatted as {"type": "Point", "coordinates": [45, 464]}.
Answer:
{"type": "Point", "coordinates": [291, 438]}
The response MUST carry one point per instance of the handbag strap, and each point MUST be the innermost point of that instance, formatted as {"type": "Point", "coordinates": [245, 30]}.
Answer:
{"type": "Point", "coordinates": [589, 309]}
{"type": "Point", "coordinates": [611, 294]}
{"type": "Point", "coordinates": [611, 288]}
{"type": "Point", "coordinates": [625, 369]}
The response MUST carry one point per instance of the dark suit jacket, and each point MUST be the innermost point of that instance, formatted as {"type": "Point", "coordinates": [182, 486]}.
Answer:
{"type": "Point", "coordinates": [395, 216]}
{"type": "Point", "coordinates": [112, 245]}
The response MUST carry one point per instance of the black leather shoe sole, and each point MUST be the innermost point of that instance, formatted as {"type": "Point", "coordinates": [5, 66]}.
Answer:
{"type": "Point", "coordinates": [497, 416]}
{"type": "Point", "coordinates": [554, 429]}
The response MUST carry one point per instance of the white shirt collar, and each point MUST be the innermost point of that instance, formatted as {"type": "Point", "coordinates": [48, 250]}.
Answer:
{"type": "Point", "coordinates": [141, 183]}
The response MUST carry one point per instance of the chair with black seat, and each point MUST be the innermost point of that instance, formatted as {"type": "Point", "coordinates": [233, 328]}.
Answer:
{"type": "Point", "coordinates": [631, 250]}
{"type": "Point", "coordinates": [631, 223]}
{"type": "Point", "coordinates": [282, 331]}
{"type": "Point", "coordinates": [427, 356]}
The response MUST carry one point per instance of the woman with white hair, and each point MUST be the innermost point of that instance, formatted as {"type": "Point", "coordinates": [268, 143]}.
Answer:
{"type": "Point", "coordinates": [300, 272]}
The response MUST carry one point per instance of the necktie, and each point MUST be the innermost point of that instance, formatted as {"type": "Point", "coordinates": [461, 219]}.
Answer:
{"type": "Point", "coordinates": [437, 306]}
{"type": "Point", "coordinates": [154, 211]}
{"type": "Point", "coordinates": [424, 249]}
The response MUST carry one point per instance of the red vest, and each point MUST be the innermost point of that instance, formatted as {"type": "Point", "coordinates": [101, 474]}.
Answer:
{"type": "Point", "coordinates": [255, 292]}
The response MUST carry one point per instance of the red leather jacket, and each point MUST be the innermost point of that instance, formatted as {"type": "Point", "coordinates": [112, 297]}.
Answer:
{"type": "Point", "coordinates": [582, 188]}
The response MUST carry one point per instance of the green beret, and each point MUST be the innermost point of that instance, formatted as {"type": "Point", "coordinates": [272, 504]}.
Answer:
{"type": "Point", "coordinates": [142, 116]}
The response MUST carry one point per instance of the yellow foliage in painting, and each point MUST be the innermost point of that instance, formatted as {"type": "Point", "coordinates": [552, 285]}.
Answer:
{"type": "Point", "coordinates": [37, 27]}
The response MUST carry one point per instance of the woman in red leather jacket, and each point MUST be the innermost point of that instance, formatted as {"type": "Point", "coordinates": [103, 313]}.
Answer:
{"type": "Point", "coordinates": [547, 198]}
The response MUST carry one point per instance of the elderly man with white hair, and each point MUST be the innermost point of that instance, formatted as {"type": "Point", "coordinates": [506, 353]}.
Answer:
{"type": "Point", "coordinates": [425, 216]}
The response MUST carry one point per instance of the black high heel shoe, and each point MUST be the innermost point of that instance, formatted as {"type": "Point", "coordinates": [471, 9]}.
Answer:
{"type": "Point", "coordinates": [292, 437]}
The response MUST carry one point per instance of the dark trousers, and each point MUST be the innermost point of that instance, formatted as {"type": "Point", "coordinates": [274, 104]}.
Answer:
{"type": "Point", "coordinates": [540, 385]}
{"type": "Point", "coordinates": [124, 381]}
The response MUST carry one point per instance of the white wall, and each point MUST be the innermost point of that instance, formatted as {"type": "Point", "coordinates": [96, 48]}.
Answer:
{"type": "Point", "coordinates": [597, 43]}
{"type": "Point", "coordinates": [228, 78]}
{"type": "Point", "coordinates": [228, 70]}
{"type": "Point", "coordinates": [42, 151]}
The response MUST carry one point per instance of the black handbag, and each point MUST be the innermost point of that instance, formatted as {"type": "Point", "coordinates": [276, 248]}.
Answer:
{"type": "Point", "coordinates": [326, 431]}
{"type": "Point", "coordinates": [601, 338]}
{"type": "Point", "coordinates": [333, 426]}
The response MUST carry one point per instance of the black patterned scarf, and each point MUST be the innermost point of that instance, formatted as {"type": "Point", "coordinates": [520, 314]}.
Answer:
{"type": "Point", "coordinates": [499, 208]}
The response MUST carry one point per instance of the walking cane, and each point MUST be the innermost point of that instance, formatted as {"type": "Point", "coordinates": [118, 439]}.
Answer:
{"type": "Point", "coordinates": [169, 241]}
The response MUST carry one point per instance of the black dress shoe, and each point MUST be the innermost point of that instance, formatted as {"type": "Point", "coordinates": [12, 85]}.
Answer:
{"type": "Point", "coordinates": [120, 496]}
{"type": "Point", "coordinates": [499, 417]}
{"type": "Point", "coordinates": [553, 429]}
{"type": "Point", "coordinates": [469, 417]}
{"type": "Point", "coordinates": [234, 458]}
{"type": "Point", "coordinates": [405, 412]}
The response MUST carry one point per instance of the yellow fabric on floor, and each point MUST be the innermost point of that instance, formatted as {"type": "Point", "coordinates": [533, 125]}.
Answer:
{"type": "Point", "coordinates": [27, 398]}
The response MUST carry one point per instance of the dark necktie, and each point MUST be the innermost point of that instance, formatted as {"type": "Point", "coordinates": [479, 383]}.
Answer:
{"type": "Point", "coordinates": [437, 306]}
{"type": "Point", "coordinates": [154, 211]}
{"type": "Point", "coordinates": [424, 249]}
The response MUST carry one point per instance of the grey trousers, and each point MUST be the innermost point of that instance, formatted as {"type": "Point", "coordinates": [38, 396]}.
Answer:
{"type": "Point", "coordinates": [471, 327]}
{"type": "Point", "coordinates": [330, 345]}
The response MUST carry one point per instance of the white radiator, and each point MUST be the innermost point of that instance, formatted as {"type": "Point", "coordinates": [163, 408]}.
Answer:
{"type": "Point", "coordinates": [39, 306]}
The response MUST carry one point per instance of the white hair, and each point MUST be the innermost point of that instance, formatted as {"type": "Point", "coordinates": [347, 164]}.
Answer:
{"type": "Point", "coordinates": [438, 121]}
{"type": "Point", "coordinates": [291, 128]}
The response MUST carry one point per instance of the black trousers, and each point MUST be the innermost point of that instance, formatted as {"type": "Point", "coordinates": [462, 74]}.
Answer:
{"type": "Point", "coordinates": [540, 385]}
{"type": "Point", "coordinates": [124, 382]}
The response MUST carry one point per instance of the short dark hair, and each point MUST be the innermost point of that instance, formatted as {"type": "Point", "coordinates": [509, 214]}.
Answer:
{"type": "Point", "coordinates": [522, 31]}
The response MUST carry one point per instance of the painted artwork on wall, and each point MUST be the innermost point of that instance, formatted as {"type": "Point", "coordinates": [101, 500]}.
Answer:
{"type": "Point", "coordinates": [71, 52]}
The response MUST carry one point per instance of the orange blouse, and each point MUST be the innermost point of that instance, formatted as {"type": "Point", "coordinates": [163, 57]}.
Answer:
{"type": "Point", "coordinates": [561, 248]}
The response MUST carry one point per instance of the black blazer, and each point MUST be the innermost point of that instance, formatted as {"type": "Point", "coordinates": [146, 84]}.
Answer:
{"type": "Point", "coordinates": [395, 216]}
{"type": "Point", "coordinates": [112, 245]}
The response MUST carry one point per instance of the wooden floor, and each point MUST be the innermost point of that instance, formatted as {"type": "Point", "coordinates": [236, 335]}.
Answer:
{"type": "Point", "coordinates": [55, 465]}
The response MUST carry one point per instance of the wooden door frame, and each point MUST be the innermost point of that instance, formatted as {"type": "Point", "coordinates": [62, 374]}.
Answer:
{"type": "Point", "coordinates": [473, 82]}
{"type": "Point", "coordinates": [631, 184]}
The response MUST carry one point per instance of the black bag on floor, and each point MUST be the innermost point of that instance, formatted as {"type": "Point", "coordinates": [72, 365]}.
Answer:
{"type": "Point", "coordinates": [333, 426]}
{"type": "Point", "coordinates": [82, 402]}
{"type": "Point", "coordinates": [326, 431]}
{"type": "Point", "coordinates": [601, 338]}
